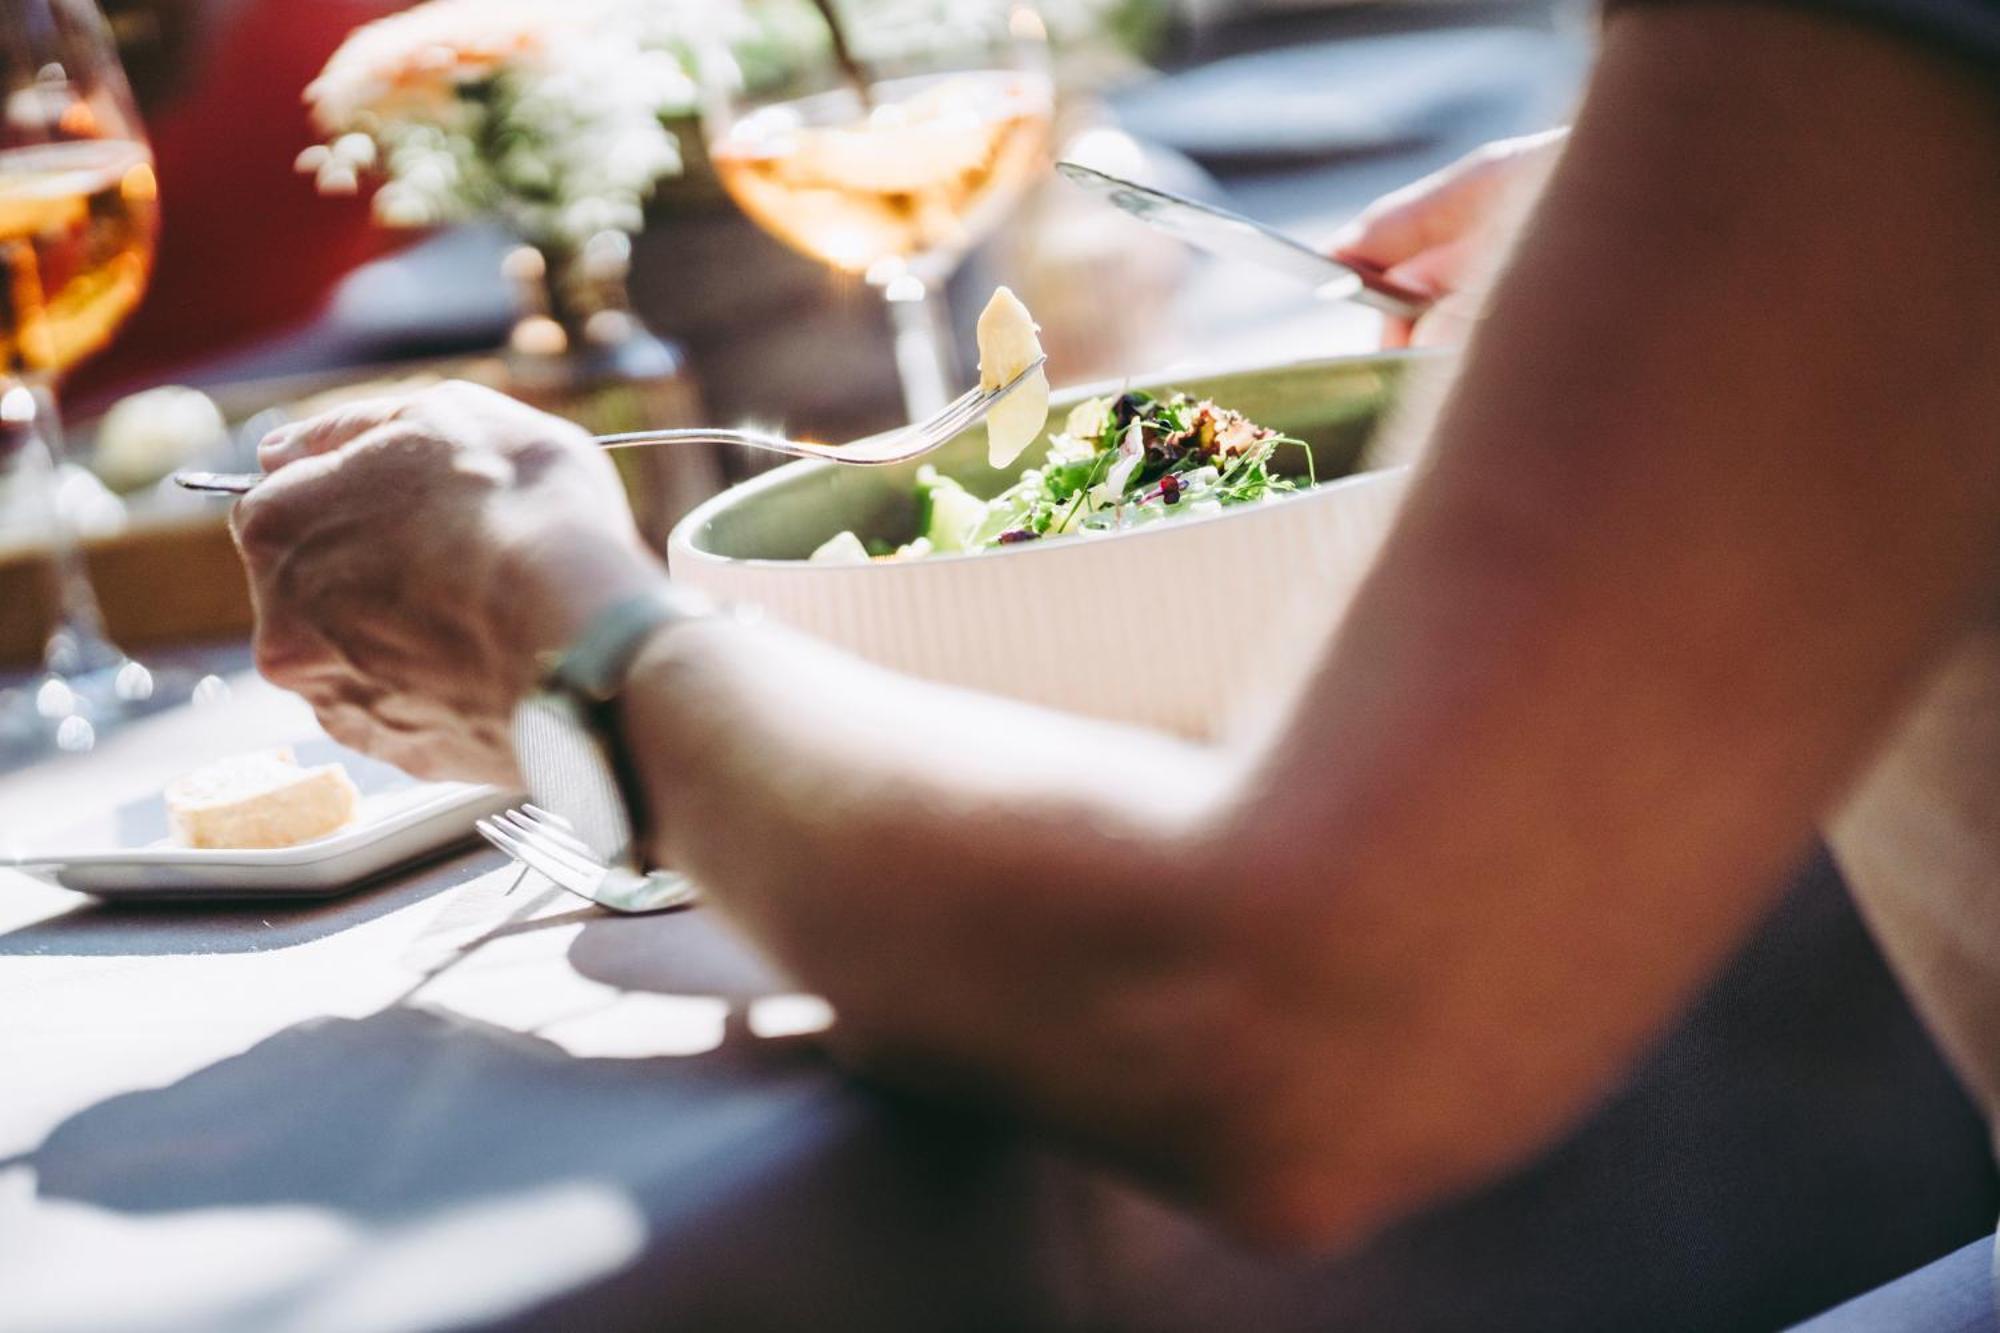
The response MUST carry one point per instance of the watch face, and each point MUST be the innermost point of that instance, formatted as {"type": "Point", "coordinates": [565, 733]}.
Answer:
{"type": "Point", "coordinates": [569, 773]}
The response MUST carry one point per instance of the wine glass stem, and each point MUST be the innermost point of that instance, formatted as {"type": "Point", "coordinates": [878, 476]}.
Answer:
{"type": "Point", "coordinates": [78, 642]}
{"type": "Point", "coordinates": [924, 351]}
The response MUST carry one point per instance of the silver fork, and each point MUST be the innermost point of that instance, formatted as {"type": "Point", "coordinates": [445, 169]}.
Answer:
{"type": "Point", "coordinates": [895, 446]}
{"type": "Point", "coordinates": [544, 843]}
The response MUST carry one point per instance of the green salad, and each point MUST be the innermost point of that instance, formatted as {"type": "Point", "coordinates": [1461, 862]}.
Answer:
{"type": "Point", "coordinates": [1117, 463]}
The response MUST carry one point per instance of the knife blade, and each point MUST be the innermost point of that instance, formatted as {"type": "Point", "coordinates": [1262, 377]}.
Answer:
{"type": "Point", "coordinates": [1218, 231]}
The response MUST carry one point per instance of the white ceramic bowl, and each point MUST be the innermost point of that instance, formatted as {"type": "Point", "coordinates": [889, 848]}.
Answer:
{"type": "Point", "coordinates": [1194, 625]}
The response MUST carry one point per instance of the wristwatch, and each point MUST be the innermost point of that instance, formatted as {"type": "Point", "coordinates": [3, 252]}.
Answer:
{"type": "Point", "coordinates": [567, 738]}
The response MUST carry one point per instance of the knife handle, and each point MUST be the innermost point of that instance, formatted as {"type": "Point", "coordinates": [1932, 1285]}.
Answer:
{"type": "Point", "coordinates": [1386, 294]}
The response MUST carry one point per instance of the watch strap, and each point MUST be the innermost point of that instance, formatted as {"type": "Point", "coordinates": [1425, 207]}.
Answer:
{"type": "Point", "coordinates": [595, 666]}
{"type": "Point", "coordinates": [604, 799]}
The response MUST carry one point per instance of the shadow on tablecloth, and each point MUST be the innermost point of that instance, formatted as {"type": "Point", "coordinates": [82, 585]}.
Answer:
{"type": "Point", "coordinates": [747, 1187]}
{"type": "Point", "coordinates": [1796, 1141]}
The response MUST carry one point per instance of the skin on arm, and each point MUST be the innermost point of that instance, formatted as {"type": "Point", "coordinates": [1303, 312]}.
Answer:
{"type": "Point", "coordinates": [1716, 482]}
{"type": "Point", "coordinates": [1714, 485]}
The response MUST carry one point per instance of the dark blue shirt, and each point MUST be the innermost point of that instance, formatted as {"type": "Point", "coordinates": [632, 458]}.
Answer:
{"type": "Point", "coordinates": [1967, 28]}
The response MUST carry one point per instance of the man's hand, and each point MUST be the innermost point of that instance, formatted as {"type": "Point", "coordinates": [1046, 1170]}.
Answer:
{"type": "Point", "coordinates": [412, 556]}
{"type": "Point", "coordinates": [1444, 234]}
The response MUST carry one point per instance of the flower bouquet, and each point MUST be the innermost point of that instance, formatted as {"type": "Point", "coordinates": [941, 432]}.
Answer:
{"type": "Point", "coordinates": [552, 117]}
{"type": "Point", "coordinates": [560, 117]}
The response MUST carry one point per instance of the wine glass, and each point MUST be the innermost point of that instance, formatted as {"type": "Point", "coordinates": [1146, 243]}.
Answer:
{"type": "Point", "coordinates": [79, 210]}
{"type": "Point", "coordinates": [884, 138]}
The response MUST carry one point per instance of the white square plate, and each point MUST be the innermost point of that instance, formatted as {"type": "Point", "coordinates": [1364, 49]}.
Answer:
{"type": "Point", "coordinates": [124, 852]}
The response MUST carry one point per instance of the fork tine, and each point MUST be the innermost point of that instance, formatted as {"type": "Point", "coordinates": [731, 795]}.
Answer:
{"type": "Point", "coordinates": [979, 400]}
{"type": "Point", "coordinates": [546, 816]}
{"type": "Point", "coordinates": [913, 440]}
{"type": "Point", "coordinates": [965, 402]}
{"type": "Point", "coordinates": [633, 895]}
{"type": "Point", "coordinates": [533, 858]}
{"type": "Point", "coordinates": [551, 822]}
{"type": "Point", "coordinates": [629, 894]}
{"type": "Point", "coordinates": [961, 409]}
{"type": "Point", "coordinates": [1022, 377]}
{"type": "Point", "coordinates": [558, 833]}
{"type": "Point", "coordinates": [531, 836]}
{"type": "Point", "coordinates": [499, 837]}
{"type": "Point", "coordinates": [559, 845]}
{"type": "Point", "coordinates": [949, 423]}
{"type": "Point", "coordinates": [951, 412]}
{"type": "Point", "coordinates": [965, 409]}
{"type": "Point", "coordinates": [893, 446]}
{"type": "Point", "coordinates": [484, 830]}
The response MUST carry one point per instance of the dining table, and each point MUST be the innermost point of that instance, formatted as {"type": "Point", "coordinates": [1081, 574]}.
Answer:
{"type": "Point", "coordinates": [456, 1097]}
{"type": "Point", "coordinates": [460, 1098]}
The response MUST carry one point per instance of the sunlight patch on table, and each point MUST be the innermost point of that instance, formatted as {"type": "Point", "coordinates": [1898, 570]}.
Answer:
{"type": "Point", "coordinates": [636, 1025]}
{"type": "Point", "coordinates": [525, 983]}
{"type": "Point", "coordinates": [199, 1263]}
{"type": "Point", "coordinates": [788, 1016]}
{"type": "Point", "coordinates": [483, 1261]}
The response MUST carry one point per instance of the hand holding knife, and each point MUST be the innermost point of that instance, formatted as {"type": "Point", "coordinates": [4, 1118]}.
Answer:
{"type": "Point", "coordinates": [1218, 231]}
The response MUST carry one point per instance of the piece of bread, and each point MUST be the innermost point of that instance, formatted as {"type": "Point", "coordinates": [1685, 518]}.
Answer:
{"type": "Point", "coordinates": [260, 801]}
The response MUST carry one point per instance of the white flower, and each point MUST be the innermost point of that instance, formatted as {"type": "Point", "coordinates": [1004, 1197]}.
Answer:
{"type": "Point", "coordinates": [355, 149]}
{"type": "Point", "coordinates": [400, 205]}
{"type": "Point", "coordinates": [548, 112]}
{"type": "Point", "coordinates": [337, 178]}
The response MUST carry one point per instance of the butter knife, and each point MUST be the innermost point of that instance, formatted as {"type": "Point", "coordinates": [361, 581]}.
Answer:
{"type": "Point", "coordinates": [1218, 231]}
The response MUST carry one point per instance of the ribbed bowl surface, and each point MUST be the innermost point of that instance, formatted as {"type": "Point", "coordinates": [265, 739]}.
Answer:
{"type": "Point", "coordinates": [1192, 626]}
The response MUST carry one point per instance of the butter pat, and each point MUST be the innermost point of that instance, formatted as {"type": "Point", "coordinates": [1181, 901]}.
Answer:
{"type": "Point", "coordinates": [1009, 344]}
{"type": "Point", "coordinates": [260, 801]}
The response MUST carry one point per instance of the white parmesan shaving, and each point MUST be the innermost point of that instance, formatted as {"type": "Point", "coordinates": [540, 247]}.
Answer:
{"type": "Point", "coordinates": [1008, 345]}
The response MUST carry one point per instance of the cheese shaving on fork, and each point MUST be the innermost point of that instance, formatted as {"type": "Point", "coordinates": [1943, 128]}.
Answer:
{"type": "Point", "coordinates": [1008, 345]}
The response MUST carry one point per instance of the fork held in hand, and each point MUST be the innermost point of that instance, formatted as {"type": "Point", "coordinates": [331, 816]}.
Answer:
{"type": "Point", "coordinates": [896, 446]}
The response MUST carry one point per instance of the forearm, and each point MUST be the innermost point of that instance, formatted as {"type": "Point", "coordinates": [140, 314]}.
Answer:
{"type": "Point", "coordinates": [1662, 586]}
{"type": "Point", "coordinates": [995, 898]}
{"type": "Point", "coordinates": [1688, 536]}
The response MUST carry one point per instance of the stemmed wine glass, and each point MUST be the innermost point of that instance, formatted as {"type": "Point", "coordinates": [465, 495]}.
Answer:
{"type": "Point", "coordinates": [884, 138]}
{"type": "Point", "coordinates": [79, 210]}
